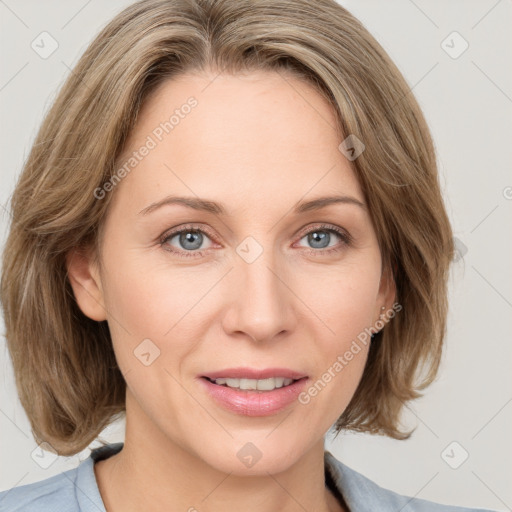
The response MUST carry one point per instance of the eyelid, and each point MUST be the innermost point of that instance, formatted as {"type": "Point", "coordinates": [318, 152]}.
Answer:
{"type": "Point", "coordinates": [327, 227]}
{"type": "Point", "coordinates": [186, 227]}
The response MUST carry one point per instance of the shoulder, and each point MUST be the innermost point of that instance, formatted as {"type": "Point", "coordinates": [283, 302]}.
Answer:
{"type": "Point", "coordinates": [361, 493]}
{"type": "Point", "coordinates": [75, 490]}
{"type": "Point", "coordinates": [52, 494]}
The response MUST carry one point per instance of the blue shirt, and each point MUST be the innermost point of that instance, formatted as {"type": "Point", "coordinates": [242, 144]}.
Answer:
{"type": "Point", "coordinates": [76, 490]}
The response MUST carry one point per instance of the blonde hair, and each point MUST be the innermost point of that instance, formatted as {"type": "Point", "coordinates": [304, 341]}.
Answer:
{"type": "Point", "coordinates": [65, 368]}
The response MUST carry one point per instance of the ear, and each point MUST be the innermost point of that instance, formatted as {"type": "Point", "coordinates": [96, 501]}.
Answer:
{"type": "Point", "coordinates": [386, 296]}
{"type": "Point", "coordinates": [85, 280]}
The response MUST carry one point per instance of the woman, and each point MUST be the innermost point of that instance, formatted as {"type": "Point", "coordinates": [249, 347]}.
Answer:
{"type": "Point", "coordinates": [230, 229]}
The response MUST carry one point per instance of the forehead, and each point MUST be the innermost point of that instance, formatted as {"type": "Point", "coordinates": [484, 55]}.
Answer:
{"type": "Point", "coordinates": [264, 135]}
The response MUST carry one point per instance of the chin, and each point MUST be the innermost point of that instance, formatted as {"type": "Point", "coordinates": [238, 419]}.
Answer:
{"type": "Point", "coordinates": [253, 455]}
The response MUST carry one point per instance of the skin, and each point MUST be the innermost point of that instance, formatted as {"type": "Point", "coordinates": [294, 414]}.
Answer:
{"type": "Point", "coordinates": [257, 143]}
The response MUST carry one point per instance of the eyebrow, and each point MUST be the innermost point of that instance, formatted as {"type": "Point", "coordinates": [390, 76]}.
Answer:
{"type": "Point", "coordinates": [217, 209]}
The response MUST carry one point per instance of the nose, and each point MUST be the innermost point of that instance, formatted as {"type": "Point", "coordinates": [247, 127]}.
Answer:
{"type": "Point", "coordinates": [261, 303]}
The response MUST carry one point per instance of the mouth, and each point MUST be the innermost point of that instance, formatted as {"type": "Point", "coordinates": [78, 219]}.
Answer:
{"type": "Point", "coordinates": [258, 385]}
{"type": "Point", "coordinates": [251, 392]}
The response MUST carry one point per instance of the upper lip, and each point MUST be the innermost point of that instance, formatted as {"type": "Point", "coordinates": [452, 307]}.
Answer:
{"type": "Point", "coordinates": [254, 373]}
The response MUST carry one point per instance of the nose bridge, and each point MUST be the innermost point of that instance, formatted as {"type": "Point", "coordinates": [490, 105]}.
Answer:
{"type": "Point", "coordinates": [261, 302]}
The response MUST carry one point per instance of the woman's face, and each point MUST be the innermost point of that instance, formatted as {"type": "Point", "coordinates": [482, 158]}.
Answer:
{"type": "Point", "coordinates": [261, 277]}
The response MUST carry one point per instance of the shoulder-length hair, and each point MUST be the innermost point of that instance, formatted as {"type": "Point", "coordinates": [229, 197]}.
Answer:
{"type": "Point", "coordinates": [66, 372]}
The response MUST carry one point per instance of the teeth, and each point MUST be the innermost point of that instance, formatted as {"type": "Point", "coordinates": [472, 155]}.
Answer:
{"type": "Point", "coordinates": [258, 384]}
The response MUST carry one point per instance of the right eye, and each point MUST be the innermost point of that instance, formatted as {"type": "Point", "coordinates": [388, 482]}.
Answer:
{"type": "Point", "coordinates": [185, 242]}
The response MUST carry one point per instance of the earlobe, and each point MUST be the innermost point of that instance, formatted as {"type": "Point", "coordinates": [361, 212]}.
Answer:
{"type": "Point", "coordinates": [85, 281]}
{"type": "Point", "coordinates": [387, 295]}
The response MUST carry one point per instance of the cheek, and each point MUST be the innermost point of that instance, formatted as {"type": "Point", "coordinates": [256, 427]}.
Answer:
{"type": "Point", "coordinates": [158, 302]}
{"type": "Point", "coordinates": [150, 298]}
{"type": "Point", "coordinates": [148, 311]}
{"type": "Point", "coordinates": [345, 304]}
{"type": "Point", "coordinates": [344, 298]}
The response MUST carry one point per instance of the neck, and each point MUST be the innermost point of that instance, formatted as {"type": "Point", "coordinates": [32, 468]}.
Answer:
{"type": "Point", "coordinates": [152, 472]}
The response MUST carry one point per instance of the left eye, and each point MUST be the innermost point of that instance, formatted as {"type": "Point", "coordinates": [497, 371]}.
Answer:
{"type": "Point", "coordinates": [320, 238]}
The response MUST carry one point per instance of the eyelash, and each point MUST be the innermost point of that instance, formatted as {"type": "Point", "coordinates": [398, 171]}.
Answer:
{"type": "Point", "coordinates": [346, 240]}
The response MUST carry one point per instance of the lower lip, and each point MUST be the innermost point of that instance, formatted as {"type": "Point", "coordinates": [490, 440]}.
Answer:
{"type": "Point", "coordinates": [254, 403]}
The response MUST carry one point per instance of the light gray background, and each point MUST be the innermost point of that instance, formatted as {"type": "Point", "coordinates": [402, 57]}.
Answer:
{"type": "Point", "coordinates": [468, 103]}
